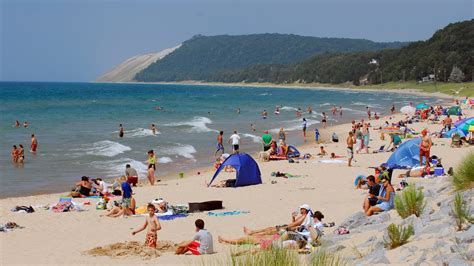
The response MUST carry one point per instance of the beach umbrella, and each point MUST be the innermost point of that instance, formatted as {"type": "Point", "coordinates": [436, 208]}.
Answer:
{"type": "Point", "coordinates": [408, 109]}
{"type": "Point", "coordinates": [463, 121]}
{"type": "Point", "coordinates": [422, 106]}
{"type": "Point", "coordinates": [471, 128]}
{"type": "Point", "coordinates": [407, 155]}
{"type": "Point", "coordinates": [466, 125]}
{"type": "Point", "coordinates": [460, 132]}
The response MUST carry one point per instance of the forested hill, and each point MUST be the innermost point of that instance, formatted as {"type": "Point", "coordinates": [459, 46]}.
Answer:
{"type": "Point", "coordinates": [203, 56]}
{"type": "Point", "coordinates": [449, 50]}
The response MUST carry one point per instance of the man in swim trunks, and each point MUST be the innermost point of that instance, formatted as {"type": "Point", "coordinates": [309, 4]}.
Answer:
{"type": "Point", "coordinates": [350, 148]}
{"type": "Point", "coordinates": [34, 143]}
{"type": "Point", "coordinates": [425, 147]}
{"type": "Point", "coordinates": [152, 221]}
{"type": "Point", "coordinates": [131, 174]}
{"type": "Point", "coordinates": [201, 243]}
{"type": "Point", "coordinates": [235, 141]}
{"type": "Point", "coordinates": [219, 146]}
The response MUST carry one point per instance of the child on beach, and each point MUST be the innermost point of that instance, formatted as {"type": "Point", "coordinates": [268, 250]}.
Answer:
{"type": "Point", "coordinates": [152, 221]}
{"type": "Point", "coordinates": [201, 243]}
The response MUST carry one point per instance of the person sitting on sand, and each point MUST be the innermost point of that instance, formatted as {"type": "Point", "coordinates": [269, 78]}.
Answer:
{"type": "Point", "coordinates": [201, 243]}
{"type": "Point", "coordinates": [161, 205]}
{"type": "Point", "coordinates": [303, 220]}
{"type": "Point", "coordinates": [385, 199]}
{"type": "Point", "coordinates": [83, 188]}
{"type": "Point", "coordinates": [152, 221]}
{"type": "Point", "coordinates": [273, 148]}
{"type": "Point", "coordinates": [100, 186]}
{"type": "Point", "coordinates": [283, 150]}
{"type": "Point", "coordinates": [374, 190]}
{"type": "Point", "coordinates": [322, 151]}
{"type": "Point", "coordinates": [395, 141]}
{"type": "Point", "coordinates": [118, 210]}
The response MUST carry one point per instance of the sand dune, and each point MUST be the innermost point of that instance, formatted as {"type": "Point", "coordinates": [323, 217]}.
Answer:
{"type": "Point", "coordinates": [126, 71]}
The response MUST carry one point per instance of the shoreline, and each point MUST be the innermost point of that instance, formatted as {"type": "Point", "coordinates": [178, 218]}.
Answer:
{"type": "Point", "coordinates": [308, 86]}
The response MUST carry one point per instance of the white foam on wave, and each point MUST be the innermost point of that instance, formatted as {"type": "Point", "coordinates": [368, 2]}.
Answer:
{"type": "Point", "coordinates": [196, 125]}
{"type": "Point", "coordinates": [102, 148]}
{"type": "Point", "coordinates": [288, 108]}
{"type": "Point", "coordinates": [296, 125]}
{"type": "Point", "coordinates": [164, 160]}
{"type": "Point", "coordinates": [265, 94]}
{"type": "Point", "coordinates": [353, 110]}
{"type": "Point", "coordinates": [117, 167]}
{"type": "Point", "coordinates": [179, 150]}
{"type": "Point", "coordinates": [141, 132]}
{"type": "Point", "coordinates": [325, 104]}
{"type": "Point", "coordinates": [254, 138]}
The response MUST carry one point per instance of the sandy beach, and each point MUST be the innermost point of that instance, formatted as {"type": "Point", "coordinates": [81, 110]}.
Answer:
{"type": "Point", "coordinates": [62, 238]}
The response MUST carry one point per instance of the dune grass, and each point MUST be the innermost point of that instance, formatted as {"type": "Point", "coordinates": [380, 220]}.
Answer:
{"type": "Point", "coordinates": [398, 235]}
{"type": "Point", "coordinates": [461, 212]}
{"type": "Point", "coordinates": [324, 258]}
{"type": "Point", "coordinates": [273, 256]}
{"type": "Point", "coordinates": [443, 87]}
{"type": "Point", "coordinates": [463, 177]}
{"type": "Point", "coordinates": [410, 201]}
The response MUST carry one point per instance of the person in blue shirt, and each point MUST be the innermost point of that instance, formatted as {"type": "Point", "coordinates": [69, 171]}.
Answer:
{"type": "Point", "coordinates": [316, 135]}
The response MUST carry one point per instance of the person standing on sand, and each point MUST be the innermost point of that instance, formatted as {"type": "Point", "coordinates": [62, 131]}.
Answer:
{"type": "Point", "coordinates": [152, 221]}
{"type": "Point", "coordinates": [121, 131]}
{"type": "Point", "coordinates": [14, 154]}
{"type": "Point", "coordinates": [34, 144]}
{"type": "Point", "coordinates": [324, 120]}
{"type": "Point", "coordinates": [282, 134]}
{"type": "Point", "coordinates": [366, 137]}
{"type": "Point", "coordinates": [151, 175]}
{"type": "Point", "coordinates": [350, 148]}
{"type": "Point", "coordinates": [425, 147]}
{"type": "Point", "coordinates": [235, 141]}
{"type": "Point", "coordinates": [219, 146]}
{"type": "Point", "coordinates": [316, 135]}
{"type": "Point", "coordinates": [303, 125]}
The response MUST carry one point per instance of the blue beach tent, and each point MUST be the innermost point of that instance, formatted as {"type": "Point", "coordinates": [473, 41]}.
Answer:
{"type": "Point", "coordinates": [461, 133]}
{"type": "Point", "coordinates": [246, 167]}
{"type": "Point", "coordinates": [406, 156]}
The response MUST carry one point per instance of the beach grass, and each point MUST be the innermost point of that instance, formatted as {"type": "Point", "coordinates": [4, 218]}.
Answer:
{"type": "Point", "coordinates": [398, 235]}
{"type": "Point", "coordinates": [463, 177]}
{"type": "Point", "coordinates": [461, 211]}
{"type": "Point", "coordinates": [449, 88]}
{"type": "Point", "coordinates": [325, 258]}
{"type": "Point", "coordinates": [410, 201]}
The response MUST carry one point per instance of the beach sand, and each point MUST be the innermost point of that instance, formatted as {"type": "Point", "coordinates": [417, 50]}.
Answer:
{"type": "Point", "coordinates": [62, 238]}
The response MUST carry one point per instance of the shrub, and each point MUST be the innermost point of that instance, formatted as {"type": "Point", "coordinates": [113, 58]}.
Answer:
{"type": "Point", "coordinates": [463, 177]}
{"type": "Point", "coordinates": [410, 201]}
{"type": "Point", "coordinates": [324, 258]}
{"type": "Point", "coordinates": [461, 211]}
{"type": "Point", "coordinates": [273, 256]}
{"type": "Point", "coordinates": [397, 235]}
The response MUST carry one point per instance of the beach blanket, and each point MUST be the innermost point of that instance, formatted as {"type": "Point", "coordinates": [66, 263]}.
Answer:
{"type": "Point", "coordinates": [164, 216]}
{"type": "Point", "coordinates": [331, 161]}
{"type": "Point", "coordinates": [227, 213]}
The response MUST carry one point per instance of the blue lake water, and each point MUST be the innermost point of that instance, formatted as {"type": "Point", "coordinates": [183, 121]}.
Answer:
{"type": "Point", "coordinates": [77, 125]}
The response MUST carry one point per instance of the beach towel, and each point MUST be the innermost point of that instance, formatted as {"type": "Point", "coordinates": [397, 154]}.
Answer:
{"type": "Point", "coordinates": [172, 216]}
{"type": "Point", "coordinates": [227, 213]}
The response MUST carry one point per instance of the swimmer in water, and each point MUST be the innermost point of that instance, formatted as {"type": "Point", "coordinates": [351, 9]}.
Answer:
{"type": "Point", "coordinates": [17, 123]}
{"type": "Point", "coordinates": [121, 131]}
{"type": "Point", "coordinates": [238, 111]}
{"type": "Point", "coordinates": [252, 126]}
{"type": "Point", "coordinates": [264, 114]}
{"type": "Point", "coordinates": [34, 144]}
{"type": "Point", "coordinates": [25, 124]}
{"type": "Point", "coordinates": [153, 129]}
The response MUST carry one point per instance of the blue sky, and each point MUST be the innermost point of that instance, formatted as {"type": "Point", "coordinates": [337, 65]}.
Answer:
{"type": "Point", "coordinates": [71, 40]}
